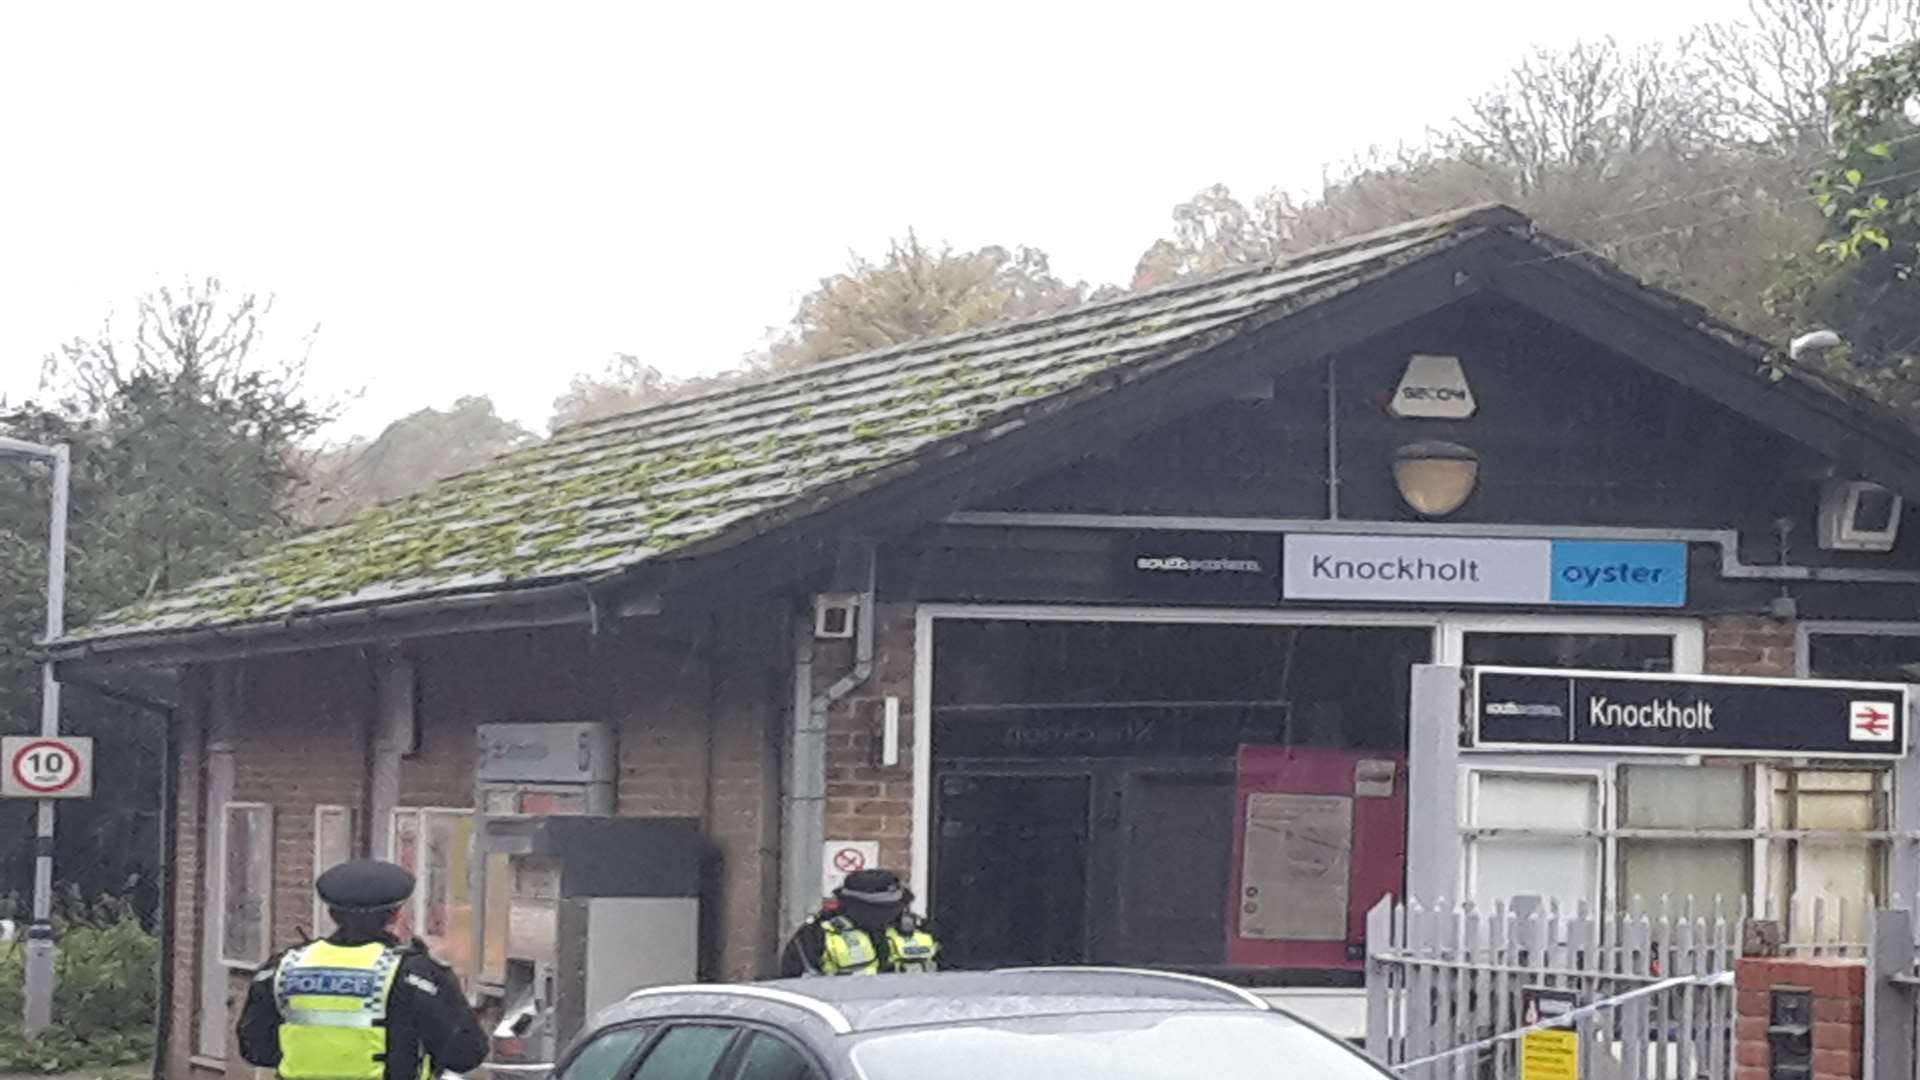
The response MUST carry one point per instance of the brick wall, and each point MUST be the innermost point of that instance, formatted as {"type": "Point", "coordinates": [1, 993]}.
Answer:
{"type": "Point", "coordinates": [1838, 990]}
{"type": "Point", "coordinates": [1749, 645]}
{"type": "Point", "coordinates": [864, 800]}
{"type": "Point", "coordinates": [746, 718]}
{"type": "Point", "coordinates": [300, 744]}
{"type": "Point", "coordinates": [701, 710]}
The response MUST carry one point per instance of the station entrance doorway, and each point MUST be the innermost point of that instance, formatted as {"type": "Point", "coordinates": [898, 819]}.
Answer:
{"type": "Point", "coordinates": [1084, 799]}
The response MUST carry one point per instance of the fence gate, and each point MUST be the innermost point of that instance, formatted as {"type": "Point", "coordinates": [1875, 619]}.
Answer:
{"type": "Point", "coordinates": [1450, 988]}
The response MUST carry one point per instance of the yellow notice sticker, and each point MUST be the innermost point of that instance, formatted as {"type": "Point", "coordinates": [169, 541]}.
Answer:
{"type": "Point", "coordinates": [1550, 1055]}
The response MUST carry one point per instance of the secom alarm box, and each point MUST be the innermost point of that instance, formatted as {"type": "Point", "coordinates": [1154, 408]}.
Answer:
{"type": "Point", "coordinates": [1319, 837]}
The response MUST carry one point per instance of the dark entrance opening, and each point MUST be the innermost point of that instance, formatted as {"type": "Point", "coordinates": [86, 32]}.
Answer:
{"type": "Point", "coordinates": [1084, 794]}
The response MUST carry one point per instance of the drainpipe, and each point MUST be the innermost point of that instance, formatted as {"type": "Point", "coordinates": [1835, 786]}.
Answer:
{"type": "Point", "coordinates": [1333, 440]}
{"type": "Point", "coordinates": [393, 722]}
{"type": "Point", "coordinates": [804, 810]}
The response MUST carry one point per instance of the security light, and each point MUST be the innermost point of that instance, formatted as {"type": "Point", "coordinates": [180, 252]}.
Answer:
{"type": "Point", "coordinates": [1435, 478]}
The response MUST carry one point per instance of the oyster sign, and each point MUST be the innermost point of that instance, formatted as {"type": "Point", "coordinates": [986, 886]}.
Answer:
{"type": "Point", "coordinates": [1473, 570]}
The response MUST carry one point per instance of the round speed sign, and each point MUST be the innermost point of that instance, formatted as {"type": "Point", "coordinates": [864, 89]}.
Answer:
{"type": "Point", "coordinates": [45, 766]}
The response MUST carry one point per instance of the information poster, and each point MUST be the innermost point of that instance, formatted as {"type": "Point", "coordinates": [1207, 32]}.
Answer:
{"type": "Point", "coordinates": [1297, 866]}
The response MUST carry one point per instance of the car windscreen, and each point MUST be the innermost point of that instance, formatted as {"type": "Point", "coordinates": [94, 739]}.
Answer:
{"type": "Point", "coordinates": [1113, 1046]}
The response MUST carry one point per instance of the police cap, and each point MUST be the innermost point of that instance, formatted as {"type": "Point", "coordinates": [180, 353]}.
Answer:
{"type": "Point", "coordinates": [872, 887]}
{"type": "Point", "coordinates": [365, 885]}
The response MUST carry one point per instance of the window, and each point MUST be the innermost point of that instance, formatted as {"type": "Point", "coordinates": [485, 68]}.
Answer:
{"type": "Point", "coordinates": [1840, 855]}
{"type": "Point", "coordinates": [1589, 652]}
{"type": "Point", "coordinates": [771, 1058]}
{"type": "Point", "coordinates": [689, 1052]}
{"type": "Point", "coordinates": [332, 845]}
{"type": "Point", "coordinates": [246, 917]}
{"type": "Point", "coordinates": [1887, 654]}
{"type": "Point", "coordinates": [1685, 864]}
{"type": "Point", "coordinates": [607, 1055]}
{"type": "Point", "coordinates": [1590, 643]}
{"type": "Point", "coordinates": [1557, 857]}
{"type": "Point", "coordinates": [436, 845]}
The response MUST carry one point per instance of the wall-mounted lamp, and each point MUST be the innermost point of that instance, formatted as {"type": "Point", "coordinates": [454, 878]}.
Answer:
{"type": "Point", "coordinates": [1435, 478]}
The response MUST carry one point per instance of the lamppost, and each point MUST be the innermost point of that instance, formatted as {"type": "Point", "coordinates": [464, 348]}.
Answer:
{"type": "Point", "coordinates": [40, 945]}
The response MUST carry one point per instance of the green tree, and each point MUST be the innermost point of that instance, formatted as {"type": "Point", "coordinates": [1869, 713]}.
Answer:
{"type": "Point", "coordinates": [410, 454]}
{"type": "Point", "coordinates": [628, 383]}
{"type": "Point", "coordinates": [913, 293]}
{"type": "Point", "coordinates": [917, 292]}
{"type": "Point", "coordinates": [186, 443]}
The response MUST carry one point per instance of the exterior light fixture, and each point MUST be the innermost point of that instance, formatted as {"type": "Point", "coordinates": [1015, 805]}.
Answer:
{"type": "Point", "coordinates": [1435, 478]}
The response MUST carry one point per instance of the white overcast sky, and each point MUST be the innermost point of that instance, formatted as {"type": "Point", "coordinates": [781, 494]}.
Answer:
{"type": "Point", "coordinates": [479, 198]}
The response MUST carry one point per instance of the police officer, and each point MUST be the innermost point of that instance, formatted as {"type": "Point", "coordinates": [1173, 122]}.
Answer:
{"type": "Point", "coordinates": [866, 929]}
{"type": "Point", "coordinates": [359, 1005]}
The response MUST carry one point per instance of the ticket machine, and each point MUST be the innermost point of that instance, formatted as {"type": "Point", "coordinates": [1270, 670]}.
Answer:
{"type": "Point", "coordinates": [1319, 838]}
{"type": "Point", "coordinates": [577, 907]}
{"type": "Point", "coordinates": [581, 911]}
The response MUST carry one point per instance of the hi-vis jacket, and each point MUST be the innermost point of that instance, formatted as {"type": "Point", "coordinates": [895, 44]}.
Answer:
{"type": "Point", "coordinates": [829, 944]}
{"type": "Point", "coordinates": [344, 1009]}
{"type": "Point", "coordinates": [849, 950]}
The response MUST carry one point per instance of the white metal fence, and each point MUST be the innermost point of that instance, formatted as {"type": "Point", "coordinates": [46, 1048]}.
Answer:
{"type": "Point", "coordinates": [1448, 985]}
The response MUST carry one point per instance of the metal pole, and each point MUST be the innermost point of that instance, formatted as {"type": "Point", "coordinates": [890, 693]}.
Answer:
{"type": "Point", "coordinates": [40, 944]}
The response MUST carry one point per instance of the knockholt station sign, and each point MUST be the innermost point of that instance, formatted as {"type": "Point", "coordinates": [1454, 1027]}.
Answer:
{"type": "Point", "coordinates": [1546, 709]}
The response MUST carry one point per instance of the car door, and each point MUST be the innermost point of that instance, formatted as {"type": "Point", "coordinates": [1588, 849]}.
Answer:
{"type": "Point", "coordinates": [608, 1055]}
{"type": "Point", "coordinates": [763, 1055]}
{"type": "Point", "coordinates": [688, 1050]}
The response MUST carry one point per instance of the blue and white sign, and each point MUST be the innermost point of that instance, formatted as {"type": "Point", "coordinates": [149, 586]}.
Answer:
{"type": "Point", "coordinates": [1466, 570]}
{"type": "Point", "coordinates": [1618, 573]}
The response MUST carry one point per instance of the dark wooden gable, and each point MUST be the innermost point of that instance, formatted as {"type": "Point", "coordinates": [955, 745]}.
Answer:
{"type": "Point", "coordinates": [1569, 432]}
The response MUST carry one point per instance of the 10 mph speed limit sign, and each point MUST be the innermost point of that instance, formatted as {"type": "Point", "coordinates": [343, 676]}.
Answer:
{"type": "Point", "coordinates": [41, 768]}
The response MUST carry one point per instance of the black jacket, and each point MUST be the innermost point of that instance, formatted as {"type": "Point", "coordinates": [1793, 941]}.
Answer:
{"type": "Point", "coordinates": [427, 1012]}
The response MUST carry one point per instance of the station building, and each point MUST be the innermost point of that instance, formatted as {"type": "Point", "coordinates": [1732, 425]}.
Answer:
{"type": "Point", "coordinates": [1100, 627]}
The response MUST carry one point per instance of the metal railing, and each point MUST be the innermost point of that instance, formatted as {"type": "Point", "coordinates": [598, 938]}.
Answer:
{"type": "Point", "coordinates": [1451, 989]}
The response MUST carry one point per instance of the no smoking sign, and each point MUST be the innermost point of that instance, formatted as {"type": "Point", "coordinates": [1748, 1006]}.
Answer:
{"type": "Point", "coordinates": [43, 768]}
{"type": "Point", "coordinates": [842, 857]}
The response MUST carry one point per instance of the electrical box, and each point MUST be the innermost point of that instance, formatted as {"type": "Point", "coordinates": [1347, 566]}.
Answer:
{"type": "Point", "coordinates": [1858, 516]}
{"type": "Point", "coordinates": [1319, 837]}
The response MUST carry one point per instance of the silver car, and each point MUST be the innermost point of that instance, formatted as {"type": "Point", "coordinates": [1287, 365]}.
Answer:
{"type": "Point", "coordinates": [1060, 1024]}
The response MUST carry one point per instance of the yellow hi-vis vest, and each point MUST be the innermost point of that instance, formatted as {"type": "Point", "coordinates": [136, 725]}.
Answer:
{"type": "Point", "coordinates": [333, 1010]}
{"type": "Point", "coordinates": [851, 950]}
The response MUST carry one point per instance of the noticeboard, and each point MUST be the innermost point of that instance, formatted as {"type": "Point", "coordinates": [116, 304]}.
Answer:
{"type": "Point", "coordinates": [1547, 709]}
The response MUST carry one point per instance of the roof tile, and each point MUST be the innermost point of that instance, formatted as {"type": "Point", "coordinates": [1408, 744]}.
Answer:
{"type": "Point", "coordinates": [607, 496]}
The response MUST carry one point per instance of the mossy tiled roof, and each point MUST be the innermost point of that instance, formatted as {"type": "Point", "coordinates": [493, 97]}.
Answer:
{"type": "Point", "coordinates": [681, 479]}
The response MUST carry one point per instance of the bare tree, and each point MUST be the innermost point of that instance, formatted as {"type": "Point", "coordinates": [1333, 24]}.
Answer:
{"type": "Point", "coordinates": [1773, 68]}
{"type": "Point", "coordinates": [1582, 111]}
{"type": "Point", "coordinates": [193, 333]}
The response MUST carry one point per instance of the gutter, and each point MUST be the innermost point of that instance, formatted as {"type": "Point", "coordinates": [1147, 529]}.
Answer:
{"type": "Point", "coordinates": [1727, 540]}
{"type": "Point", "coordinates": [803, 808]}
{"type": "Point", "coordinates": [378, 623]}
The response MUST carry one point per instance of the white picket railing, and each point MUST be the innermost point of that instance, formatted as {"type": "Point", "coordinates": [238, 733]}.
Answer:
{"type": "Point", "coordinates": [1446, 982]}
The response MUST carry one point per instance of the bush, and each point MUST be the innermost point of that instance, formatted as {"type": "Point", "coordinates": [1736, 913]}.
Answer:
{"type": "Point", "coordinates": [103, 1003]}
{"type": "Point", "coordinates": [58, 1050]}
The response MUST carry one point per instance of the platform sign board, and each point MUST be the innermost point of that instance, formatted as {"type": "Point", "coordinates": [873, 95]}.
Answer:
{"type": "Point", "coordinates": [38, 767]}
{"type": "Point", "coordinates": [1549, 709]}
